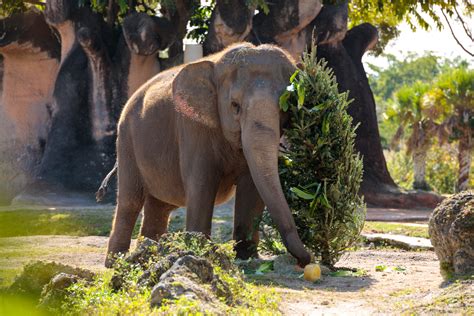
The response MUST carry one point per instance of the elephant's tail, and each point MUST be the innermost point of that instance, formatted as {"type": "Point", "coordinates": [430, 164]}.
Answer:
{"type": "Point", "coordinates": [102, 191]}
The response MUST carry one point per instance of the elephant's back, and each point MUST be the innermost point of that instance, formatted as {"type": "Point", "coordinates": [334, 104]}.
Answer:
{"type": "Point", "coordinates": [150, 121]}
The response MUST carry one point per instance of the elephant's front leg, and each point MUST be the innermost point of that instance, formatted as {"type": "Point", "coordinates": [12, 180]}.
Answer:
{"type": "Point", "coordinates": [247, 213]}
{"type": "Point", "coordinates": [201, 185]}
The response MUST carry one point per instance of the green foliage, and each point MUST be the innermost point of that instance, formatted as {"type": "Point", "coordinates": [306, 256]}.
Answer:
{"type": "Point", "coordinates": [441, 168]}
{"type": "Point", "coordinates": [426, 98]}
{"type": "Point", "coordinates": [404, 71]}
{"type": "Point", "coordinates": [258, 4]}
{"type": "Point", "coordinates": [320, 170]}
{"type": "Point", "coordinates": [100, 297]}
{"type": "Point", "coordinates": [200, 21]}
{"type": "Point", "coordinates": [8, 7]}
{"type": "Point", "coordinates": [387, 15]}
{"type": "Point", "coordinates": [454, 90]}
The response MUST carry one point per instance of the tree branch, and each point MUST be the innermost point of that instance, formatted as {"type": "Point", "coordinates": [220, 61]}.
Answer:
{"type": "Point", "coordinates": [466, 29]}
{"type": "Point", "coordinates": [454, 35]}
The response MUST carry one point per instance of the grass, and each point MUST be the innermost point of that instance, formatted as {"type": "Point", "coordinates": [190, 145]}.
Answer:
{"type": "Point", "coordinates": [89, 222]}
{"type": "Point", "coordinates": [396, 228]}
{"type": "Point", "coordinates": [96, 222]}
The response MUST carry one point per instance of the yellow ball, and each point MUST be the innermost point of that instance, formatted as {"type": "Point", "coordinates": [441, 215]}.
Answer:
{"type": "Point", "coordinates": [312, 272]}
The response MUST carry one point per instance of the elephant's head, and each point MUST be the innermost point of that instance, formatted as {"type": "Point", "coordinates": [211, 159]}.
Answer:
{"type": "Point", "coordinates": [238, 91]}
{"type": "Point", "coordinates": [145, 35]}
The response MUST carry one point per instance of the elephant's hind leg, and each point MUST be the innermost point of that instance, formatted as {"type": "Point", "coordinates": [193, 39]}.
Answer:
{"type": "Point", "coordinates": [155, 217]}
{"type": "Point", "coordinates": [130, 200]}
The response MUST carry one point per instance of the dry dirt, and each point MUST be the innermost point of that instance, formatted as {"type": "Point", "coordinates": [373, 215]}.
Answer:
{"type": "Point", "coordinates": [410, 278]}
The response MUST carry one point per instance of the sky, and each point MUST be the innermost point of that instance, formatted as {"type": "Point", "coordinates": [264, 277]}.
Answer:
{"type": "Point", "coordinates": [441, 43]}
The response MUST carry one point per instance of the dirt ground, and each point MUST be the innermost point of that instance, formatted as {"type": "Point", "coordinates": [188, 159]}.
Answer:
{"type": "Point", "coordinates": [409, 280]}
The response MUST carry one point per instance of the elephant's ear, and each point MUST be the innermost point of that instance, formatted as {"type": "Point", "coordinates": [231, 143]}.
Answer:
{"type": "Point", "coordinates": [194, 93]}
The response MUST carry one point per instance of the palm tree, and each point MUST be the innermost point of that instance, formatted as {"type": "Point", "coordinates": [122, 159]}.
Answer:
{"type": "Point", "coordinates": [454, 90]}
{"type": "Point", "coordinates": [421, 119]}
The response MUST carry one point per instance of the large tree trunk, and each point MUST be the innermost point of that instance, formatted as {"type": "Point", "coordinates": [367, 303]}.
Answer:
{"type": "Point", "coordinates": [464, 159]}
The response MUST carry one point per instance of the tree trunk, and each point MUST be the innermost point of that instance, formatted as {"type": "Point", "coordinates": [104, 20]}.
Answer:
{"type": "Point", "coordinates": [464, 159]}
{"type": "Point", "coordinates": [419, 168]}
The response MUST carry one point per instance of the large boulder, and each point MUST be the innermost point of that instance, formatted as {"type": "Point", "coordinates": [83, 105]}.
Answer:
{"type": "Point", "coordinates": [451, 229]}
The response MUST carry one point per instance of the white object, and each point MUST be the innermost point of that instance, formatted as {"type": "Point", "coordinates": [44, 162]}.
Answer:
{"type": "Point", "coordinates": [192, 52]}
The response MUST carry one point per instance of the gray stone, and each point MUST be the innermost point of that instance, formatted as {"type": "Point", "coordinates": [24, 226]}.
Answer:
{"type": "Point", "coordinates": [400, 241]}
{"type": "Point", "coordinates": [451, 229]}
{"type": "Point", "coordinates": [189, 276]}
{"type": "Point", "coordinates": [55, 291]}
{"type": "Point", "coordinates": [144, 250]}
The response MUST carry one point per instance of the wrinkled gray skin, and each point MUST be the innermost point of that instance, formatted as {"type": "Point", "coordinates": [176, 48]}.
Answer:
{"type": "Point", "coordinates": [197, 133]}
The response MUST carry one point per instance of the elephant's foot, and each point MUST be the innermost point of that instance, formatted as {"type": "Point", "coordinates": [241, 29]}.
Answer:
{"type": "Point", "coordinates": [246, 249]}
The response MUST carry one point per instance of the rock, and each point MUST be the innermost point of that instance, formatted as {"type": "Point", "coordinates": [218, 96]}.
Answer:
{"type": "Point", "coordinates": [451, 229]}
{"type": "Point", "coordinates": [37, 274]}
{"type": "Point", "coordinates": [54, 292]}
{"type": "Point", "coordinates": [193, 278]}
{"type": "Point", "coordinates": [192, 267]}
{"type": "Point", "coordinates": [146, 248]}
{"type": "Point", "coordinates": [151, 276]}
{"type": "Point", "coordinates": [186, 277]}
{"type": "Point", "coordinates": [400, 241]}
{"type": "Point", "coordinates": [284, 264]}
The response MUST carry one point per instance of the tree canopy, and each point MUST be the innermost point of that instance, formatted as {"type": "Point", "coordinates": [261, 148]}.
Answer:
{"type": "Point", "coordinates": [385, 15]}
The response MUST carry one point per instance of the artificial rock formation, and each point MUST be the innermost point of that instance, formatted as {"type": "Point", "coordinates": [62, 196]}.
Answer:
{"type": "Point", "coordinates": [30, 54]}
{"type": "Point", "coordinates": [451, 230]}
{"type": "Point", "coordinates": [96, 69]}
{"type": "Point", "coordinates": [102, 64]}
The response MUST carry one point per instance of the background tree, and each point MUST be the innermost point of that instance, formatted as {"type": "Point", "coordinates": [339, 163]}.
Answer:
{"type": "Point", "coordinates": [412, 112]}
{"type": "Point", "coordinates": [455, 89]}
{"type": "Point", "coordinates": [428, 70]}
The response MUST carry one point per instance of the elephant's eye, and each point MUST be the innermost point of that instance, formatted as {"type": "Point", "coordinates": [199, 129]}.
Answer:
{"type": "Point", "coordinates": [235, 107]}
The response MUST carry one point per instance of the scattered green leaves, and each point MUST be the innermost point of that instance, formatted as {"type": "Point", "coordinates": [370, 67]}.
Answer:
{"type": "Point", "coordinates": [380, 268]}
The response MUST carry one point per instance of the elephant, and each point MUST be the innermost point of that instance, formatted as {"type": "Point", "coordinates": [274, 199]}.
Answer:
{"type": "Point", "coordinates": [199, 133]}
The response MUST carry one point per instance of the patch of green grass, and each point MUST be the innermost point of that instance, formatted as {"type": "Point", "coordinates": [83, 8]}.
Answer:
{"type": "Point", "coordinates": [89, 222]}
{"type": "Point", "coordinates": [402, 292]}
{"type": "Point", "coordinates": [56, 222]}
{"type": "Point", "coordinates": [396, 228]}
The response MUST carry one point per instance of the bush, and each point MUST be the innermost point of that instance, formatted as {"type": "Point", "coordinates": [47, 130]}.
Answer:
{"type": "Point", "coordinates": [319, 169]}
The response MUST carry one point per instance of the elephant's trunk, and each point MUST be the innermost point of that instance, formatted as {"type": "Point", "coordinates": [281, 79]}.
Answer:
{"type": "Point", "coordinates": [260, 142]}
